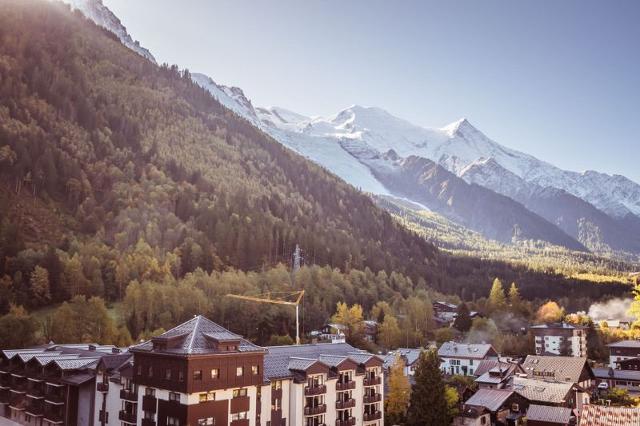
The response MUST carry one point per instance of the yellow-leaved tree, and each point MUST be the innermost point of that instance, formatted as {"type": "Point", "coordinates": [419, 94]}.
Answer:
{"type": "Point", "coordinates": [398, 395]}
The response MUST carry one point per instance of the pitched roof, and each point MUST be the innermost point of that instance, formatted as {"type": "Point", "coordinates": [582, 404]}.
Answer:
{"type": "Point", "coordinates": [195, 337]}
{"type": "Point", "coordinates": [541, 391]}
{"type": "Point", "coordinates": [465, 350]}
{"type": "Point", "coordinates": [560, 368]}
{"type": "Point", "coordinates": [491, 399]}
{"type": "Point", "coordinates": [280, 361]}
{"type": "Point", "coordinates": [545, 413]}
{"type": "Point", "coordinates": [610, 373]}
{"type": "Point", "coordinates": [600, 415]}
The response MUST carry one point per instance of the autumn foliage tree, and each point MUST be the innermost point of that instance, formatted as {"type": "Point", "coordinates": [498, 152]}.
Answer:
{"type": "Point", "coordinates": [550, 312]}
{"type": "Point", "coordinates": [398, 395]}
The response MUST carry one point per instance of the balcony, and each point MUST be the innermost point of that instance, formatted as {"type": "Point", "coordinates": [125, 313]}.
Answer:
{"type": "Point", "coordinates": [318, 409]}
{"type": "Point", "coordinates": [351, 421]}
{"type": "Point", "coordinates": [342, 386]}
{"type": "Point", "coordinates": [241, 422]}
{"type": "Point", "coordinates": [239, 404]}
{"type": "Point", "coordinates": [53, 417]}
{"type": "Point", "coordinates": [103, 387]}
{"type": "Point", "coordinates": [148, 422]}
{"type": "Point", "coordinates": [372, 381]}
{"type": "Point", "coordinates": [129, 395]}
{"type": "Point", "coordinates": [54, 398]}
{"type": "Point", "coordinates": [149, 403]}
{"type": "Point", "coordinates": [127, 417]}
{"type": "Point", "coordinates": [369, 399]}
{"type": "Point", "coordinates": [347, 403]}
{"type": "Point", "coordinates": [374, 415]}
{"type": "Point", "coordinates": [315, 390]}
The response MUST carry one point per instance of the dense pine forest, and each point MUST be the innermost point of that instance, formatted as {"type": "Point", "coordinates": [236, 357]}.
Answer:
{"type": "Point", "coordinates": [125, 181]}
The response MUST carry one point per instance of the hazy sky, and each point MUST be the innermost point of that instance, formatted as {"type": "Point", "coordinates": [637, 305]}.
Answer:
{"type": "Point", "coordinates": [556, 79]}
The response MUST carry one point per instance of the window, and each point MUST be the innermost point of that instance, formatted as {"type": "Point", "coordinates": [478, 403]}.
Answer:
{"type": "Point", "coordinates": [173, 421]}
{"type": "Point", "coordinates": [276, 384]}
{"type": "Point", "coordinates": [197, 375]}
{"type": "Point", "coordinates": [239, 416]}
{"type": "Point", "coordinates": [239, 371]}
{"type": "Point", "coordinates": [174, 396]}
{"type": "Point", "coordinates": [167, 374]}
{"type": "Point", "coordinates": [239, 392]}
{"type": "Point", "coordinates": [150, 392]}
{"type": "Point", "coordinates": [255, 369]}
{"type": "Point", "coordinates": [207, 396]}
{"type": "Point", "coordinates": [215, 373]}
{"type": "Point", "coordinates": [150, 371]}
{"type": "Point", "coordinates": [180, 376]}
{"type": "Point", "coordinates": [206, 422]}
{"type": "Point", "coordinates": [276, 404]}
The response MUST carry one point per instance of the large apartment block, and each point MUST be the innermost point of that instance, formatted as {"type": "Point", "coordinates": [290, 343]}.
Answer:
{"type": "Point", "coordinates": [197, 373]}
{"type": "Point", "coordinates": [560, 339]}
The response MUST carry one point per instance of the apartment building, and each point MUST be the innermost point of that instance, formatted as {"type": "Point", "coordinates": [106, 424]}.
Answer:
{"type": "Point", "coordinates": [322, 384]}
{"type": "Point", "coordinates": [623, 350]}
{"type": "Point", "coordinates": [50, 385]}
{"type": "Point", "coordinates": [464, 358]}
{"type": "Point", "coordinates": [560, 339]}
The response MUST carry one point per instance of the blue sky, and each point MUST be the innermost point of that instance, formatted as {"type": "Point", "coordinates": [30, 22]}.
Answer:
{"type": "Point", "coordinates": [557, 79]}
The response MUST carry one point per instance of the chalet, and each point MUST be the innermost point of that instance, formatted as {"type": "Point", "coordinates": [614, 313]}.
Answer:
{"type": "Point", "coordinates": [503, 406]}
{"type": "Point", "coordinates": [559, 369]}
{"type": "Point", "coordinates": [558, 394]}
{"type": "Point", "coordinates": [464, 358]}
{"type": "Point", "coordinates": [473, 416]}
{"type": "Point", "coordinates": [623, 350]}
{"type": "Point", "coordinates": [560, 339]}
{"type": "Point", "coordinates": [495, 374]}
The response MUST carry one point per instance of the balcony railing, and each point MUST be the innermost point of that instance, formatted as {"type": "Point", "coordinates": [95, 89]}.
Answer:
{"type": "Point", "coordinates": [53, 417]}
{"type": "Point", "coordinates": [368, 399]}
{"type": "Point", "coordinates": [372, 381]}
{"type": "Point", "coordinates": [347, 403]}
{"type": "Point", "coordinates": [149, 403]}
{"type": "Point", "coordinates": [374, 415]}
{"type": "Point", "coordinates": [315, 390]}
{"type": "Point", "coordinates": [340, 386]}
{"type": "Point", "coordinates": [127, 417]}
{"type": "Point", "coordinates": [129, 395]}
{"type": "Point", "coordinates": [103, 387]}
{"type": "Point", "coordinates": [54, 398]}
{"type": "Point", "coordinates": [318, 409]}
{"type": "Point", "coordinates": [351, 421]}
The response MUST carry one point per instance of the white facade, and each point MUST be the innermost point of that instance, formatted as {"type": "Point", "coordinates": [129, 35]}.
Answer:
{"type": "Point", "coordinates": [459, 366]}
{"type": "Point", "coordinates": [554, 344]}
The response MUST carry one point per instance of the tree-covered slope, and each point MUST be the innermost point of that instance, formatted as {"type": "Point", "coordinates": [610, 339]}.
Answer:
{"type": "Point", "coordinates": [131, 151]}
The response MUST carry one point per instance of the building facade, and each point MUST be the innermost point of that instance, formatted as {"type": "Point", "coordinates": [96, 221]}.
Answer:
{"type": "Point", "coordinates": [560, 339]}
{"type": "Point", "coordinates": [623, 350]}
{"type": "Point", "coordinates": [464, 358]}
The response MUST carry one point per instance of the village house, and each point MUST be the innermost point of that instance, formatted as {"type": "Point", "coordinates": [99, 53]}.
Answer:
{"type": "Point", "coordinates": [560, 339]}
{"type": "Point", "coordinates": [464, 358]}
{"type": "Point", "coordinates": [503, 407]}
{"type": "Point", "coordinates": [544, 415]}
{"type": "Point", "coordinates": [623, 350]}
{"type": "Point", "coordinates": [495, 374]}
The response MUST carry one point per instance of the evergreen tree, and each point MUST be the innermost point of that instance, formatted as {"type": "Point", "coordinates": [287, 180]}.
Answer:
{"type": "Point", "coordinates": [463, 318]}
{"type": "Point", "coordinates": [398, 395]}
{"type": "Point", "coordinates": [428, 404]}
{"type": "Point", "coordinates": [497, 299]}
{"type": "Point", "coordinates": [514, 297]}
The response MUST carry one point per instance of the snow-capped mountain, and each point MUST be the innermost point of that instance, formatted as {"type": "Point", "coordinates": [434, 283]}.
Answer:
{"type": "Point", "coordinates": [102, 16]}
{"type": "Point", "coordinates": [383, 154]}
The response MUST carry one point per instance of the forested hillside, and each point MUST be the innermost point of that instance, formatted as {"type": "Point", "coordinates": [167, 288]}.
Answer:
{"type": "Point", "coordinates": [114, 170]}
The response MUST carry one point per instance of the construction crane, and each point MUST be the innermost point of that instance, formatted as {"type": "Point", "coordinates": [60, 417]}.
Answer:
{"type": "Point", "coordinates": [269, 298]}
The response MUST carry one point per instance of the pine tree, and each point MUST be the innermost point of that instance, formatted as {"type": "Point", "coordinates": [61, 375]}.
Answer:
{"type": "Point", "coordinates": [397, 401]}
{"type": "Point", "coordinates": [514, 296]}
{"type": "Point", "coordinates": [497, 300]}
{"type": "Point", "coordinates": [463, 318]}
{"type": "Point", "coordinates": [428, 402]}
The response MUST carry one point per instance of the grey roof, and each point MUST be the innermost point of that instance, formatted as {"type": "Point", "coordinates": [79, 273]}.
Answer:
{"type": "Point", "coordinates": [541, 391]}
{"type": "Point", "coordinates": [601, 415]}
{"type": "Point", "coordinates": [300, 364]}
{"type": "Point", "coordinates": [544, 413]}
{"type": "Point", "coordinates": [487, 365]}
{"type": "Point", "coordinates": [465, 350]}
{"type": "Point", "coordinates": [194, 337]}
{"type": "Point", "coordinates": [560, 368]}
{"type": "Point", "coordinates": [76, 364]}
{"type": "Point", "coordinates": [562, 325]}
{"type": "Point", "coordinates": [491, 399]}
{"type": "Point", "coordinates": [610, 373]}
{"type": "Point", "coordinates": [78, 379]}
{"type": "Point", "coordinates": [114, 362]}
{"type": "Point", "coordinates": [333, 360]}
{"type": "Point", "coordinates": [277, 359]}
{"type": "Point", "coordinates": [635, 344]}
